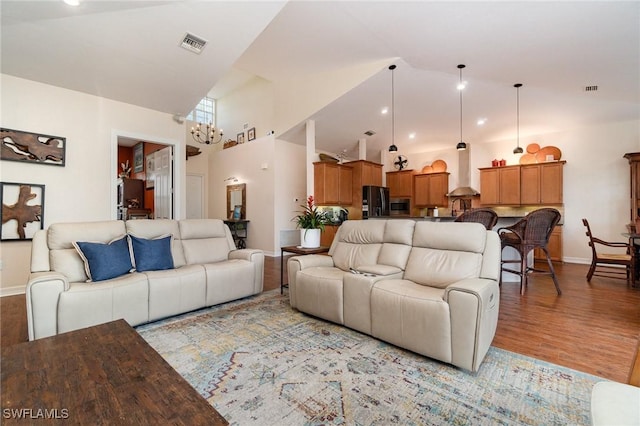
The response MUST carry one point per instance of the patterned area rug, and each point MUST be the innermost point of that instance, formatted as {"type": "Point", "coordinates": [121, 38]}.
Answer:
{"type": "Point", "coordinates": [259, 362]}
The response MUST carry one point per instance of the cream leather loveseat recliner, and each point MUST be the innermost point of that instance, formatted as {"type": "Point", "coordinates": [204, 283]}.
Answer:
{"type": "Point", "coordinates": [208, 270]}
{"type": "Point", "coordinates": [430, 287]}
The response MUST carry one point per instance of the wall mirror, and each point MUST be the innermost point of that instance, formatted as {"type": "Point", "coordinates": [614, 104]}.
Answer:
{"type": "Point", "coordinates": [236, 196]}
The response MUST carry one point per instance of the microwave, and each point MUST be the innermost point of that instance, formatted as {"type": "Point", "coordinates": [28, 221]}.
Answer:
{"type": "Point", "coordinates": [400, 207]}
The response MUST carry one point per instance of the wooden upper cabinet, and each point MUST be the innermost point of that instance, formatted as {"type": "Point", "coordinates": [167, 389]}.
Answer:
{"type": "Point", "coordinates": [345, 182]}
{"type": "Point", "coordinates": [529, 184]}
{"type": "Point", "coordinates": [430, 189]}
{"type": "Point", "coordinates": [500, 185]}
{"type": "Point", "coordinates": [542, 183]}
{"type": "Point", "coordinates": [400, 184]}
{"type": "Point", "coordinates": [332, 183]}
{"type": "Point", "coordinates": [363, 173]}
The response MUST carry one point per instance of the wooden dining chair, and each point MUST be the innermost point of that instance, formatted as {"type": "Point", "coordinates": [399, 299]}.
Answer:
{"type": "Point", "coordinates": [530, 232]}
{"type": "Point", "coordinates": [609, 265]}
{"type": "Point", "coordinates": [487, 217]}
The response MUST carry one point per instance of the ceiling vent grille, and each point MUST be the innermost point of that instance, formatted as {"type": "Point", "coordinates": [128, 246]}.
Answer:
{"type": "Point", "coordinates": [369, 133]}
{"type": "Point", "coordinates": [193, 43]}
{"type": "Point", "coordinates": [590, 88]}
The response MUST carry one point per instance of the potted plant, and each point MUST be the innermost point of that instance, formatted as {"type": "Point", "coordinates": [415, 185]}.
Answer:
{"type": "Point", "coordinates": [311, 222]}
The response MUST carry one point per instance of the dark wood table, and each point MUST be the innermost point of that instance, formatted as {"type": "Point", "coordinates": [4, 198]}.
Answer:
{"type": "Point", "coordinates": [296, 250]}
{"type": "Point", "coordinates": [101, 375]}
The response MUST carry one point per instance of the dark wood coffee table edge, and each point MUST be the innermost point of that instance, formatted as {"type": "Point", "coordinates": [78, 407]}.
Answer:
{"type": "Point", "coordinates": [105, 374]}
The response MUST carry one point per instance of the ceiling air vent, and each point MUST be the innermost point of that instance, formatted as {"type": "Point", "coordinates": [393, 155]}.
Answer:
{"type": "Point", "coordinates": [590, 88]}
{"type": "Point", "coordinates": [369, 133]}
{"type": "Point", "coordinates": [193, 43]}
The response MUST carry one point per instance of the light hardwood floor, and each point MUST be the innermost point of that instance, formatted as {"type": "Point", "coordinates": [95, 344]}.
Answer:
{"type": "Point", "coordinates": [592, 328]}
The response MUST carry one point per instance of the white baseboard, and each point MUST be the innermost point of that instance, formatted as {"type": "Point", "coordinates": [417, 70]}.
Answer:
{"type": "Point", "coordinates": [12, 291]}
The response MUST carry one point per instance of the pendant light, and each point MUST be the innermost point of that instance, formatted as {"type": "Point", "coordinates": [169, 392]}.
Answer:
{"type": "Point", "coordinates": [393, 147]}
{"type": "Point", "coordinates": [461, 145]}
{"type": "Point", "coordinates": [518, 149]}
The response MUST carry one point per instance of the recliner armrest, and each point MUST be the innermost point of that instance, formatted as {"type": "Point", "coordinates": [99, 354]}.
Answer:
{"type": "Point", "coordinates": [473, 306]}
{"type": "Point", "coordinates": [246, 254]}
{"type": "Point", "coordinates": [42, 293]}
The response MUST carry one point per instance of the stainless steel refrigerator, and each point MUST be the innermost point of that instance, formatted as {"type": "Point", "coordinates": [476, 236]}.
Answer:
{"type": "Point", "coordinates": [375, 201]}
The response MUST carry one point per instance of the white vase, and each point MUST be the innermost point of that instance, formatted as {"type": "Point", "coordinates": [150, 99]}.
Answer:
{"type": "Point", "coordinates": [310, 238]}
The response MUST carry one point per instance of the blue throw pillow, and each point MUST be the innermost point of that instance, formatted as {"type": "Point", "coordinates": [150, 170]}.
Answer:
{"type": "Point", "coordinates": [105, 261]}
{"type": "Point", "coordinates": [152, 255]}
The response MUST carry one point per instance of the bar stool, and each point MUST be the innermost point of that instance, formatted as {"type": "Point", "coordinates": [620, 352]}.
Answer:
{"type": "Point", "coordinates": [531, 232]}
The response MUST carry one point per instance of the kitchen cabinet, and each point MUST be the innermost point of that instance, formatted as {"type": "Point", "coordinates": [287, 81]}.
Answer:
{"type": "Point", "coordinates": [332, 184]}
{"type": "Point", "coordinates": [541, 183]}
{"type": "Point", "coordinates": [327, 236]}
{"type": "Point", "coordinates": [500, 185]}
{"type": "Point", "coordinates": [527, 184]}
{"type": "Point", "coordinates": [400, 184]}
{"type": "Point", "coordinates": [430, 189]}
{"type": "Point", "coordinates": [365, 173]}
{"type": "Point", "coordinates": [554, 246]}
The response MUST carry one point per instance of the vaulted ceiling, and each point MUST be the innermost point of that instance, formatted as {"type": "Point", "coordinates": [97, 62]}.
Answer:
{"type": "Point", "coordinates": [129, 51]}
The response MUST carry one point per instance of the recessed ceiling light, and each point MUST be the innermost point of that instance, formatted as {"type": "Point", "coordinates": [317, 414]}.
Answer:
{"type": "Point", "coordinates": [481, 121]}
{"type": "Point", "coordinates": [412, 135]}
{"type": "Point", "coordinates": [72, 2]}
{"type": "Point", "coordinates": [384, 110]}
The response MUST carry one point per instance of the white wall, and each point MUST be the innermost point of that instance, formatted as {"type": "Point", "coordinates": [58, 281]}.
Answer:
{"type": "Point", "coordinates": [252, 163]}
{"type": "Point", "coordinates": [80, 191]}
{"type": "Point", "coordinates": [273, 172]}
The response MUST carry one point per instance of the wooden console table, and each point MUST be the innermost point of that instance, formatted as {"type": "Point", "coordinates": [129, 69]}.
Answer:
{"type": "Point", "coordinates": [296, 250]}
{"type": "Point", "coordinates": [106, 374]}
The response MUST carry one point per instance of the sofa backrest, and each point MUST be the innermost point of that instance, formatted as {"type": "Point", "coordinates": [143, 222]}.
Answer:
{"type": "Point", "coordinates": [446, 252]}
{"type": "Point", "coordinates": [155, 228]}
{"type": "Point", "coordinates": [63, 257]}
{"type": "Point", "coordinates": [372, 242]}
{"type": "Point", "coordinates": [205, 240]}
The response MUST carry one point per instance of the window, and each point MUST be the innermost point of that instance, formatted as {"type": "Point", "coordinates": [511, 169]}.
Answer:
{"type": "Point", "coordinates": [204, 112]}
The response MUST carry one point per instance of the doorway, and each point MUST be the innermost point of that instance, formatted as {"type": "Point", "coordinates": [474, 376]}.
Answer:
{"type": "Point", "coordinates": [154, 165]}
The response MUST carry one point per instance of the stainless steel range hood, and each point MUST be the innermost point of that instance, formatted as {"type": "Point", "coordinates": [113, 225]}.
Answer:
{"type": "Point", "coordinates": [464, 176]}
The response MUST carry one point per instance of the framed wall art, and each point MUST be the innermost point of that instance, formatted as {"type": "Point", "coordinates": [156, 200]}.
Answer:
{"type": "Point", "coordinates": [240, 137]}
{"type": "Point", "coordinates": [37, 148]}
{"type": "Point", "coordinates": [138, 158]}
{"type": "Point", "coordinates": [22, 210]}
{"type": "Point", "coordinates": [251, 134]}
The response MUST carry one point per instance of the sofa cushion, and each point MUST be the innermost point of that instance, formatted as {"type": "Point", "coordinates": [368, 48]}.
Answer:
{"type": "Point", "coordinates": [205, 240]}
{"type": "Point", "coordinates": [445, 253]}
{"type": "Point", "coordinates": [105, 261]}
{"type": "Point", "coordinates": [63, 256]}
{"type": "Point", "coordinates": [152, 255]}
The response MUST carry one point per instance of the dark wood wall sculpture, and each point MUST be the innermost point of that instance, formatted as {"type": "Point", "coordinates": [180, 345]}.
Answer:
{"type": "Point", "coordinates": [32, 147]}
{"type": "Point", "coordinates": [22, 210]}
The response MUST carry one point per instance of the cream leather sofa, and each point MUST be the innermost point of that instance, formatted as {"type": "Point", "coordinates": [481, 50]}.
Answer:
{"type": "Point", "coordinates": [430, 287]}
{"type": "Point", "coordinates": [208, 270]}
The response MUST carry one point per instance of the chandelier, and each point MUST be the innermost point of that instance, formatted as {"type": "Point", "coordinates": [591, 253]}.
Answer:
{"type": "Point", "coordinates": [208, 135]}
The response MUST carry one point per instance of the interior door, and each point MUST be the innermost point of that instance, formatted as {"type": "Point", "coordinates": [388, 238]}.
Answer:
{"type": "Point", "coordinates": [163, 183]}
